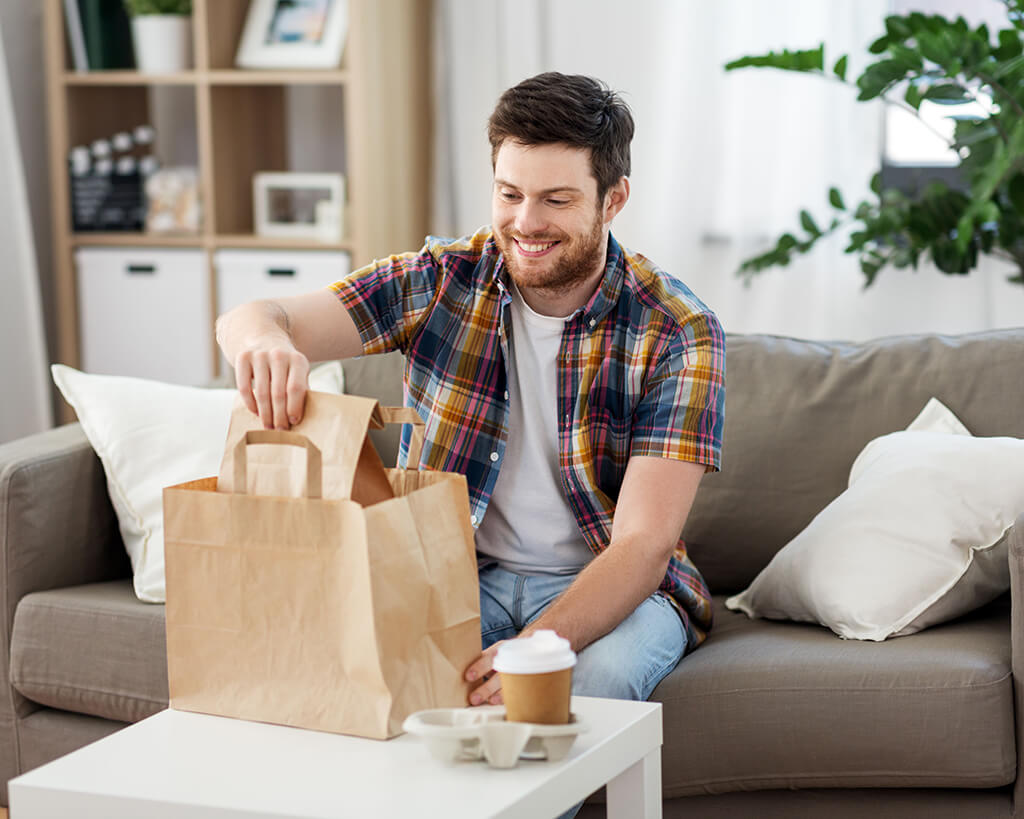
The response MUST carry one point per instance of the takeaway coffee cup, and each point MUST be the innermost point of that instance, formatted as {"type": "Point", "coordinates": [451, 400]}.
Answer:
{"type": "Point", "coordinates": [536, 678]}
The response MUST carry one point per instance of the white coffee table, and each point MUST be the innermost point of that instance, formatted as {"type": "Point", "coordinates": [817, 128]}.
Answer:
{"type": "Point", "coordinates": [176, 764]}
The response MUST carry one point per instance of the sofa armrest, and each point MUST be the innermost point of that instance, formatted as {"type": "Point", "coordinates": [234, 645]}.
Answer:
{"type": "Point", "coordinates": [57, 526]}
{"type": "Point", "coordinates": [1016, 549]}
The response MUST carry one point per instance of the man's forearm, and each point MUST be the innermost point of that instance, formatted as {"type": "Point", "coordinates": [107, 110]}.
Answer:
{"type": "Point", "coordinates": [257, 319]}
{"type": "Point", "coordinates": [606, 592]}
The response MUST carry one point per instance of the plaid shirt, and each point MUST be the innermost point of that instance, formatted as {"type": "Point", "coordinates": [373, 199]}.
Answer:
{"type": "Point", "coordinates": [641, 372]}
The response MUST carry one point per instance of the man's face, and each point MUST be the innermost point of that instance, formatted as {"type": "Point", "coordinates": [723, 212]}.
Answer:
{"type": "Point", "coordinates": [545, 214]}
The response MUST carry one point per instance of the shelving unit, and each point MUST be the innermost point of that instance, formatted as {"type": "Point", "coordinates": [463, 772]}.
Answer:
{"type": "Point", "coordinates": [380, 94]}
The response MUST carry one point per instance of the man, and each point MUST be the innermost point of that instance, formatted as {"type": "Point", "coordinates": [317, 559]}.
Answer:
{"type": "Point", "coordinates": [579, 389]}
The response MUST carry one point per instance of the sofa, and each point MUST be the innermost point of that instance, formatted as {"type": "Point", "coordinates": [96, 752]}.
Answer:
{"type": "Point", "coordinates": [767, 718]}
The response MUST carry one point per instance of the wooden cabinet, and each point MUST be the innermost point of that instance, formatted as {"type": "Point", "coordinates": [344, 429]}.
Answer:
{"type": "Point", "coordinates": [374, 110]}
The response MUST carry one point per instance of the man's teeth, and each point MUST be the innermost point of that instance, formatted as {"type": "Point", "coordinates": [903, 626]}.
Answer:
{"type": "Point", "coordinates": [535, 248]}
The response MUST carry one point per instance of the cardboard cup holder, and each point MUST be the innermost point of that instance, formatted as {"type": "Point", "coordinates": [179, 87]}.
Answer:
{"type": "Point", "coordinates": [468, 734]}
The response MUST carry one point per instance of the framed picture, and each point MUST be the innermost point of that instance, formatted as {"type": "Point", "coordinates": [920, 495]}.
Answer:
{"type": "Point", "coordinates": [299, 205]}
{"type": "Point", "coordinates": [293, 34]}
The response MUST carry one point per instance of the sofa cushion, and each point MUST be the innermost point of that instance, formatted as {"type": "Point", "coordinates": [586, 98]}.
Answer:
{"type": "Point", "coordinates": [798, 412]}
{"type": "Point", "coordinates": [918, 538]}
{"type": "Point", "coordinates": [764, 705]}
{"type": "Point", "coordinates": [91, 649]}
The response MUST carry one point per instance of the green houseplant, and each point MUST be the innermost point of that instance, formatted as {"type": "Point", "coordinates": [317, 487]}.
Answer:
{"type": "Point", "coordinates": [139, 8]}
{"type": "Point", "coordinates": [929, 57]}
{"type": "Point", "coordinates": [162, 34]}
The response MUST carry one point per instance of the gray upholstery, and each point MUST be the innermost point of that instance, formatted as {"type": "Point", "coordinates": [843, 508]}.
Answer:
{"type": "Point", "coordinates": [919, 726]}
{"type": "Point", "coordinates": [91, 649]}
{"type": "Point", "coordinates": [789, 705]}
{"type": "Point", "coordinates": [798, 412]}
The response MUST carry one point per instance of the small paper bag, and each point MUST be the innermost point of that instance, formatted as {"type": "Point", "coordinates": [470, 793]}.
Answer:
{"type": "Point", "coordinates": [310, 586]}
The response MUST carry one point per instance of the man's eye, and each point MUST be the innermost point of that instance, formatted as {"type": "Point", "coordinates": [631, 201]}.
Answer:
{"type": "Point", "coordinates": [509, 196]}
{"type": "Point", "coordinates": [558, 202]}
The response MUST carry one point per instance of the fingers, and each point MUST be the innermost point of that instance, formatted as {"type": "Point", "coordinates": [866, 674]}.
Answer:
{"type": "Point", "coordinates": [298, 383]}
{"type": "Point", "coordinates": [243, 380]}
{"type": "Point", "coordinates": [489, 690]}
{"type": "Point", "coordinates": [279, 369]}
{"type": "Point", "coordinates": [273, 385]}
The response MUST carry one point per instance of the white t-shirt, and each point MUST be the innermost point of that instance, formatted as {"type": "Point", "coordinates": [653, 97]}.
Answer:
{"type": "Point", "coordinates": [529, 527]}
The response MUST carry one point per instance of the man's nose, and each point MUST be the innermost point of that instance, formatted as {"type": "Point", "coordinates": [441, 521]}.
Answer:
{"type": "Point", "coordinates": [530, 219]}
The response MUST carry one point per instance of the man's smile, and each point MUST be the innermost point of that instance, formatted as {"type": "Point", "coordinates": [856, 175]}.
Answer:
{"type": "Point", "coordinates": [533, 250]}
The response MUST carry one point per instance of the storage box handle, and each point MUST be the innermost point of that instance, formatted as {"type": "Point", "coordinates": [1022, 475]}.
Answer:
{"type": "Point", "coordinates": [314, 465]}
{"type": "Point", "coordinates": [407, 415]}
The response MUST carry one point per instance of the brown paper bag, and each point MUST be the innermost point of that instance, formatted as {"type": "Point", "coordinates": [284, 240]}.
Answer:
{"type": "Point", "coordinates": [320, 591]}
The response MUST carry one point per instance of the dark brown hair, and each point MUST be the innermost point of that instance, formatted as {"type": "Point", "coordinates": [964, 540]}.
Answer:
{"type": "Point", "coordinates": [572, 109]}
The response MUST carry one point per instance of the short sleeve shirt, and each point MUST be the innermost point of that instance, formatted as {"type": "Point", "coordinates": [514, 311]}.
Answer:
{"type": "Point", "coordinates": [641, 371]}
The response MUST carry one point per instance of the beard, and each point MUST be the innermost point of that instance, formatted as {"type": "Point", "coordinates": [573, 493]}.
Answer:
{"type": "Point", "coordinates": [579, 257]}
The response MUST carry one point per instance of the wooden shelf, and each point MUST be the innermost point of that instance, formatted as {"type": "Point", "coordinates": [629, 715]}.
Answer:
{"type": "Point", "coordinates": [243, 240]}
{"type": "Point", "coordinates": [367, 119]}
{"type": "Point", "coordinates": [338, 76]}
{"type": "Point", "coordinates": [127, 238]}
{"type": "Point", "coordinates": [107, 78]}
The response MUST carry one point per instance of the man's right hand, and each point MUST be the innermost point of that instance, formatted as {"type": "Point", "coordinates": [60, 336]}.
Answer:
{"type": "Point", "coordinates": [270, 345]}
{"type": "Point", "coordinates": [272, 378]}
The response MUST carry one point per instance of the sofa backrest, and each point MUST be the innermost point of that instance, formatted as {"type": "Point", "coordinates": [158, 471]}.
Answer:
{"type": "Point", "coordinates": [799, 412]}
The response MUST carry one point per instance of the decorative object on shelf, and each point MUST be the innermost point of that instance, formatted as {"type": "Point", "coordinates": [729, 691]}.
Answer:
{"type": "Point", "coordinates": [161, 34]}
{"type": "Point", "coordinates": [931, 59]}
{"type": "Point", "coordinates": [293, 34]}
{"type": "Point", "coordinates": [172, 196]}
{"type": "Point", "coordinates": [106, 181]}
{"type": "Point", "coordinates": [299, 205]}
{"type": "Point", "coordinates": [76, 37]}
{"type": "Point", "coordinates": [100, 34]}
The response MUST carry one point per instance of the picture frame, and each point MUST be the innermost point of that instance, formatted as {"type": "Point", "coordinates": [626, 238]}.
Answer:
{"type": "Point", "coordinates": [301, 34]}
{"type": "Point", "coordinates": [299, 205]}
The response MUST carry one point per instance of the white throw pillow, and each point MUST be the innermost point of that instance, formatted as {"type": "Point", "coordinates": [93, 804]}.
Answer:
{"type": "Point", "coordinates": [149, 435]}
{"type": "Point", "coordinates": [919, 537]}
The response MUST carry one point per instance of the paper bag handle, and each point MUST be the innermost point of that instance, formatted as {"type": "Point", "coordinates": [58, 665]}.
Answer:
{"type": "Point", "coordinates": [407, 415]}
{"type": "Point", "coordinates": [314, 467]}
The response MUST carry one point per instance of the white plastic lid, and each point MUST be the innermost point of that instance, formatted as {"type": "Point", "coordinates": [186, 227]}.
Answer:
{"type": "Point", "coordinates": [541, 652]}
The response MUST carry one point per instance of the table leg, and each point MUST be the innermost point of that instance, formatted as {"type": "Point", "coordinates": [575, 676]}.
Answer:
{"type": "Point", "coordinates": [636, 792]}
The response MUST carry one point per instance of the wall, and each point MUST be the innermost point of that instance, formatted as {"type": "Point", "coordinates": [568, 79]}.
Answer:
{"type": "Point", "coordinates": [21, 25]}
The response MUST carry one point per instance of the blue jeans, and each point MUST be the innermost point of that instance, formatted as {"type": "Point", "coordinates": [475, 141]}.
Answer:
{"type": "Point", "coordinates": [626, 664]}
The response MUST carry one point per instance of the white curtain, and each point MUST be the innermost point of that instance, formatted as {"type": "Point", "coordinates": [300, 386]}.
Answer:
{"type": "Point", "coordinates": [722, 162]}
{"type": "Point", "coordinates": [24, 380]}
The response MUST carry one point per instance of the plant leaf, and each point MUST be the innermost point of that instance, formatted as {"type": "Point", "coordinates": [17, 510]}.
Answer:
{"type": "Point", "coordinates": [808, 224]}
{"type": "Point", "coordinates": [839, 69]}
{"type": "Point", "coordinates": [812, 59]}
{"type": "Point", "coordinates": [835, 198]}
{"type": "Point", "coordinates": [948, 93]}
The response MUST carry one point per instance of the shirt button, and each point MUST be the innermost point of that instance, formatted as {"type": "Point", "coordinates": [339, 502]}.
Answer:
{"type": "Point", "coordinates": [593, 322]}
{"type": "Point", "coordinates": [472, 519]}
{"type": "Point", "coordinates": [506, 395]}
{"type": "Point", "coordinates": [494, 457]}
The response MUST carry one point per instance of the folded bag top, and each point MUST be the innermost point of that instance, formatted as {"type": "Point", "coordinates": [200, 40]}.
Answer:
{"type": "Point", "coordinates": [337, 425]}
{"type": "Point", "coordinates": [310, 586]}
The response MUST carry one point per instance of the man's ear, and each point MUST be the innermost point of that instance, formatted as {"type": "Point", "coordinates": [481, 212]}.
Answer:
{"type": "Point", "coordinates": [615, 199]}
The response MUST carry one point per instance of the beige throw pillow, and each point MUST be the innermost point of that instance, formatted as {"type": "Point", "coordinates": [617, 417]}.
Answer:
{"type": "Point", "coordinates": [149, 435]}
{"type": "Point", "coordinates": [918, 538]}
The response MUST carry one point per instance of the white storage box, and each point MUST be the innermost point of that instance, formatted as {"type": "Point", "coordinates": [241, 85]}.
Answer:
{"type": "Point", "coordinates": [248, 275]}
{"type": "Point", "coordinates": [145, 312]}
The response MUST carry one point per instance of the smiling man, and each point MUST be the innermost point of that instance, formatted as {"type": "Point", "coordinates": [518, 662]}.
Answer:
{"type": "Point", "coordinates": [578, 388]}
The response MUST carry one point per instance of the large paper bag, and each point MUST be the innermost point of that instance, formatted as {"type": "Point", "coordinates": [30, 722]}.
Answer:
{"type": "Point", "coordinates": [321, 591]}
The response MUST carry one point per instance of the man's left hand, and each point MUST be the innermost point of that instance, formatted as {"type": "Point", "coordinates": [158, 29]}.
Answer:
{"type": "Point", "coordinates": [481, 670]}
